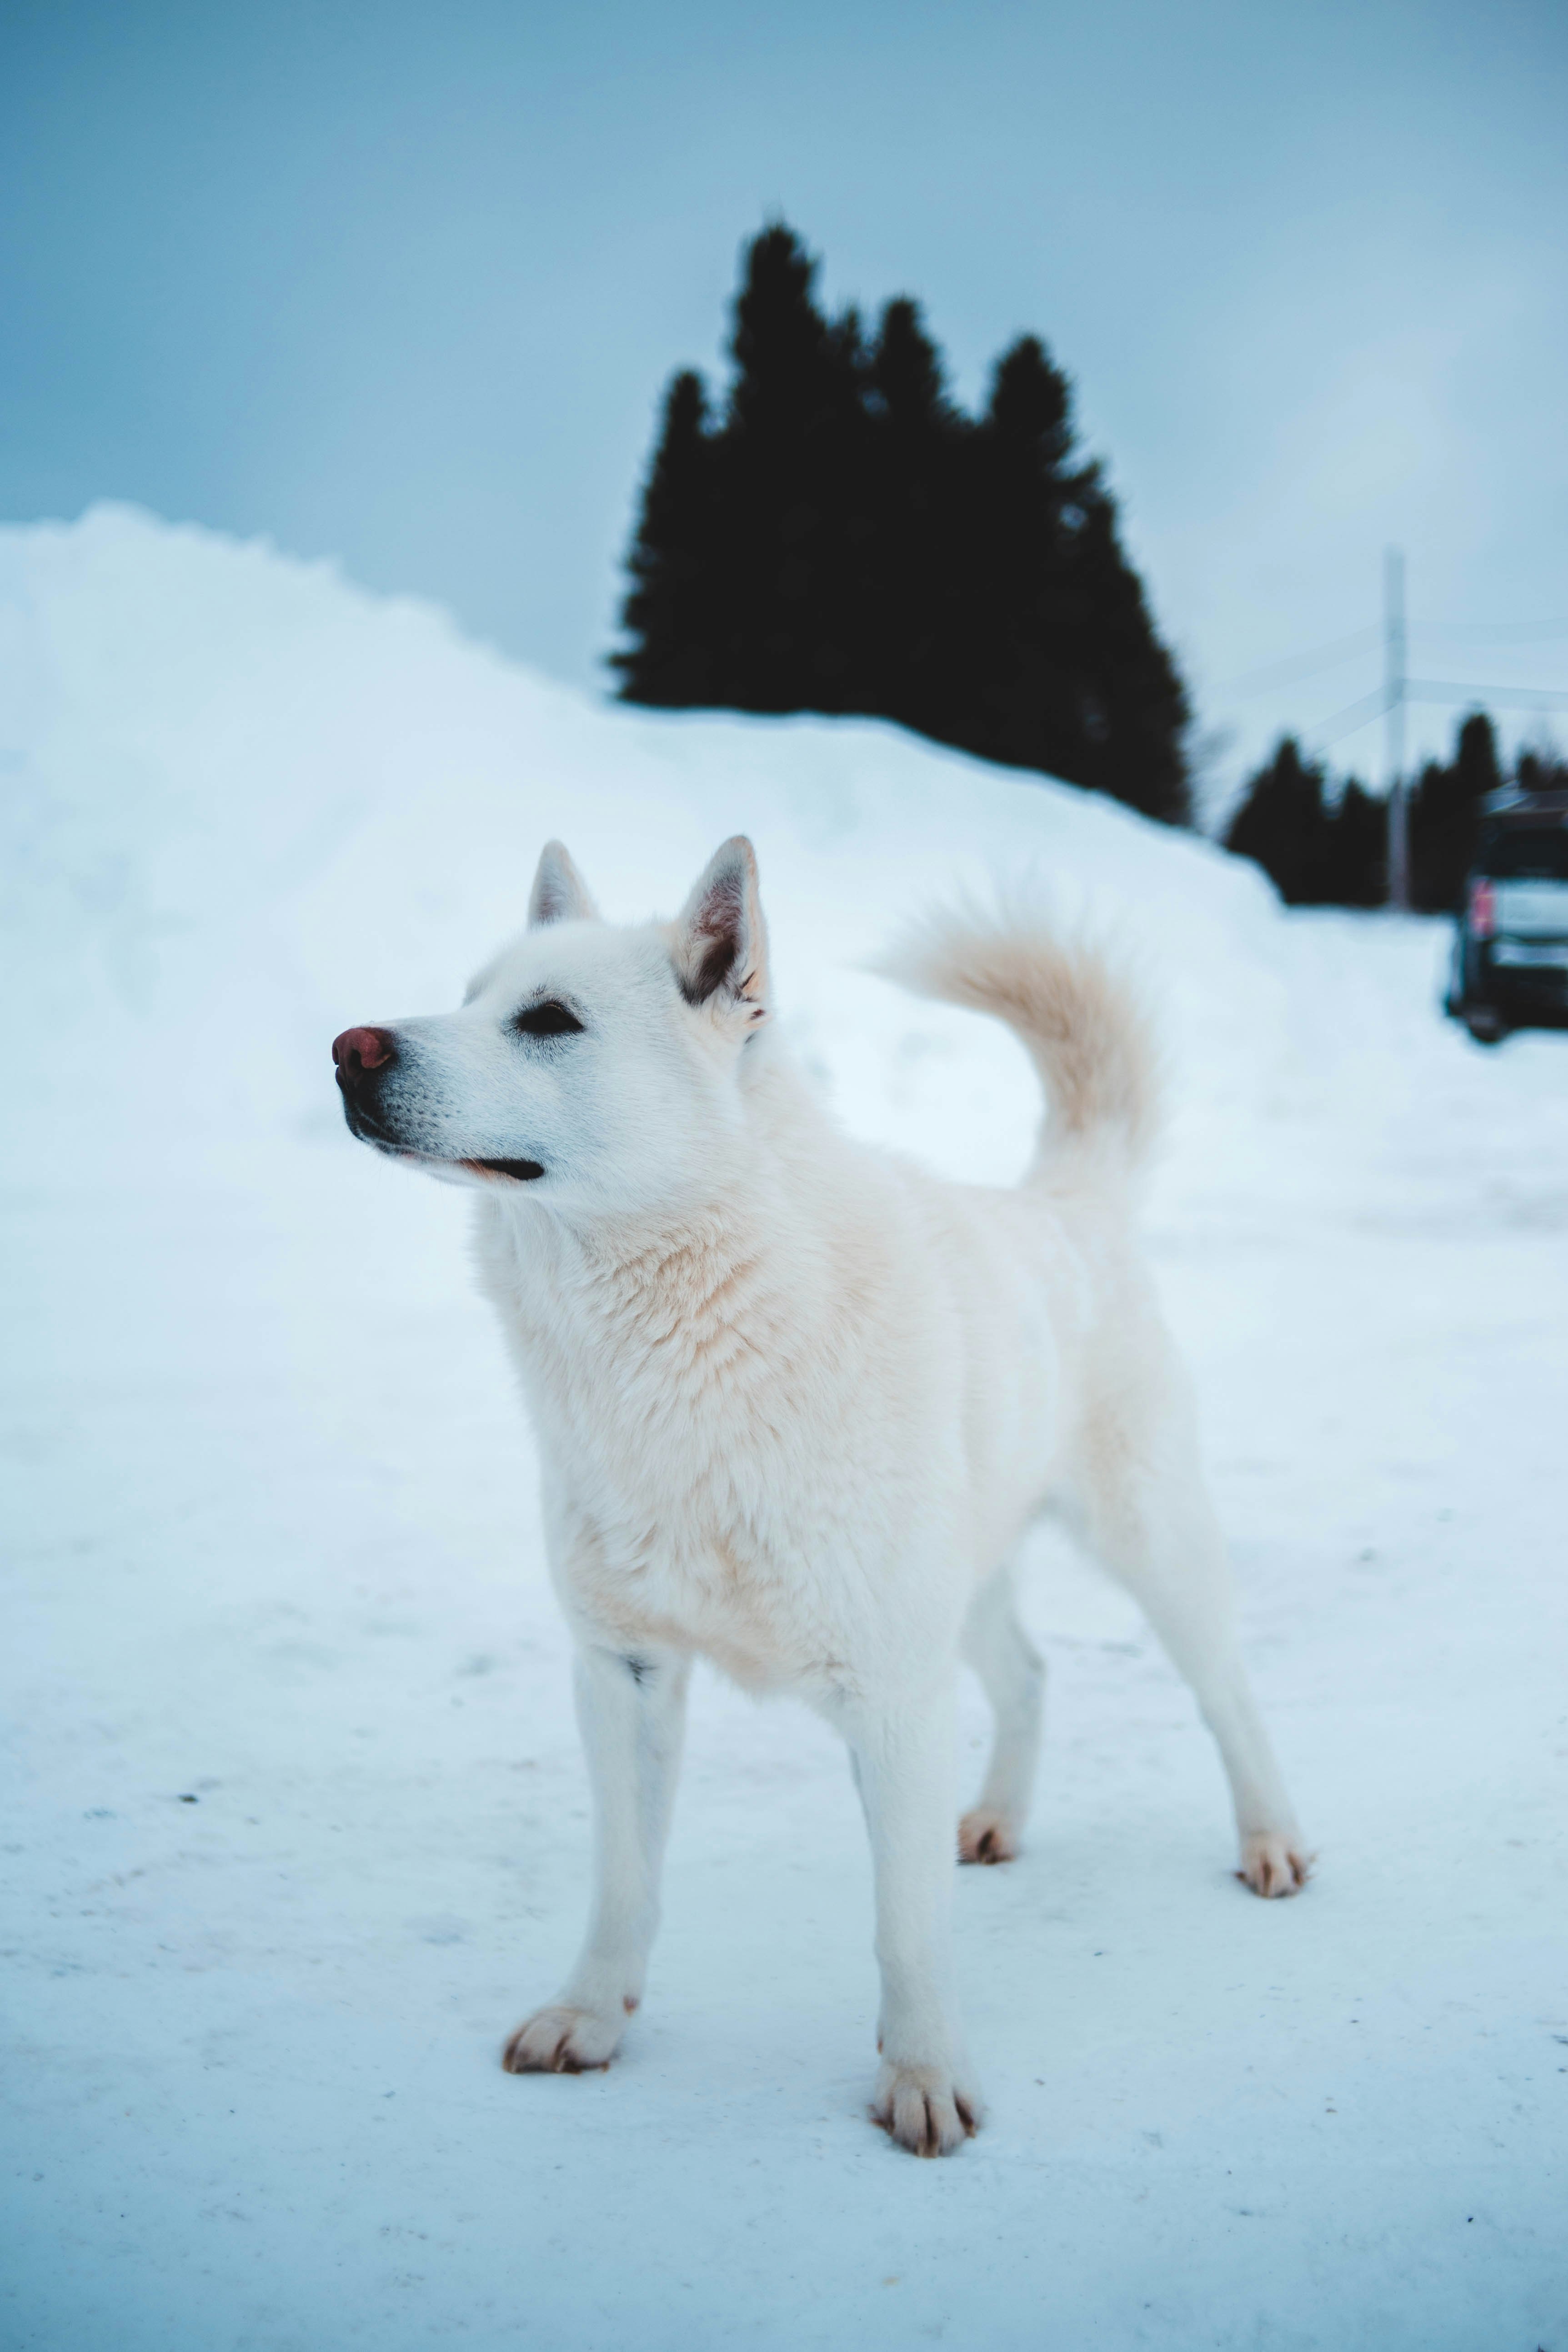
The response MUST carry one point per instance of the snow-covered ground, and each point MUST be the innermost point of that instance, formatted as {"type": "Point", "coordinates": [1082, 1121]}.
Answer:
{"type": "Point", "coordinates": [296, 1824]}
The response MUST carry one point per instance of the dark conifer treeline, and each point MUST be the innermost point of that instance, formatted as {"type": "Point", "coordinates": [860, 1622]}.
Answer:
{"type": "Point", "coordinates": [844, 538]}
{"type": "Point", "coordinates": [1318, 851]}
{"type": "Point", "coordinates": [1324, 850]}
{"type": "Point", "coordinates": [1444, 810]}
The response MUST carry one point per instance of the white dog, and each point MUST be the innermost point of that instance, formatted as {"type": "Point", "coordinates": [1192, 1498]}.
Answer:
{"type": "Point", "coordinates": [798, 1403]}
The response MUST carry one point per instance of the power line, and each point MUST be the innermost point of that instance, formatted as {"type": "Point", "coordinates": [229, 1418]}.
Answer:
{"type": "Point", "coordinates": [1299, 666]}
{"type": "Point", "coordinates": [1351, 718]}
{"type": "Point", "coordinates": [1495, 632]}
{"type": "Point", "coordinates": [1368, 707]}
{"type": "Point", "coordinates": [1506, 697]}
{"type": "Point", "coordinates": [1296, 666]}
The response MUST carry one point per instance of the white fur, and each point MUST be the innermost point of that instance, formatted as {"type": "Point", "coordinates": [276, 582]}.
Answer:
{"type": "Point", "coordinates": [797, 1403]}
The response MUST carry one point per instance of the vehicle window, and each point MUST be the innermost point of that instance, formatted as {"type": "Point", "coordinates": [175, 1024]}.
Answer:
{"type": "Point", "coordinates": [1517, 855]}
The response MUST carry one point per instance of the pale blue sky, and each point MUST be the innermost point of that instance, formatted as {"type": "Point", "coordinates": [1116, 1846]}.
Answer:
{"type": "Point", "coordinates": [401, 284]}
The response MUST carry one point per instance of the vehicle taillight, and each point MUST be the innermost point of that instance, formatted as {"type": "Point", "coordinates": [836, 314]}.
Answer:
{"type": "Point", "coordinates": [1483, 910]}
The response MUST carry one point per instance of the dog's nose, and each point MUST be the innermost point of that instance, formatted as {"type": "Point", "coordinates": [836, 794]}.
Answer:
{"type": "Point", "coordinates": [359, 1050]}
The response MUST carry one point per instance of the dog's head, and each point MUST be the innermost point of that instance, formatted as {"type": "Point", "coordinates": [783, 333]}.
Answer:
{"type": "Point", "coordinates": [601, 1066]}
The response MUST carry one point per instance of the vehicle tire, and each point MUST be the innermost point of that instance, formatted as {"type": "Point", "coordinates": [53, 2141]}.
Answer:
{"type": "Point", "coordinates": [1485, 1028]}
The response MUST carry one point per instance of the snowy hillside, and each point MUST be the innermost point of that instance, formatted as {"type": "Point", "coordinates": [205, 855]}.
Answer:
{"type": "Point", "coordinates": [273, 1550]}
{"type": "Point", "coordinates": [245, 800]}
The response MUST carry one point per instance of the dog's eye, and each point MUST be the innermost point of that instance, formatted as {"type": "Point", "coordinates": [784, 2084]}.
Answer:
{"type": "Point", "coordinates": [547, 1020]}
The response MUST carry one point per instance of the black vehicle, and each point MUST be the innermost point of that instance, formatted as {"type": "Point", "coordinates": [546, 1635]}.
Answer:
{"type": "Point", "coordinates": [1511, 949]}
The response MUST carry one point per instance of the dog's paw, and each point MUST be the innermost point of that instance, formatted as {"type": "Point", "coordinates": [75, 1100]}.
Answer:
{"type": "Point", "coordinates": [924, 2110]}
{"type": "Point", "coordinates": [986, 1835]}
{"type": "Point", "coordinates": [1275, 1862]}
{"type": "Point", "coordinates": [561, 2041]}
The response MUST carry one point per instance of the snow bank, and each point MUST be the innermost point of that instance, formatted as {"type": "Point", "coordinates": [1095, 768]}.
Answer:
{"type": "Point", "coordinates": [247, 804]}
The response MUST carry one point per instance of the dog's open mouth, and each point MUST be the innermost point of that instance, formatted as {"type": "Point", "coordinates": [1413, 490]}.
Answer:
{"type": "Point", "coordinates": [523, 1171]}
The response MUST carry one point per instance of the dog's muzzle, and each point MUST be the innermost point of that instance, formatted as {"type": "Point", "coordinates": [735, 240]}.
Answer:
{"type": "Point", "coordinates": [364, 1058]}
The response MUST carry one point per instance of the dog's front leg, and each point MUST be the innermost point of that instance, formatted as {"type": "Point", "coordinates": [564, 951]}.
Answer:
{"type": "Point", "coordinates": [631, 1714]}
{"type": "Point", "coordinates": [902, 1756]}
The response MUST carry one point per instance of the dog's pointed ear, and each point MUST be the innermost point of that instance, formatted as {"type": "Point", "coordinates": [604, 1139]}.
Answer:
{"type": "Point", "coordinates": [559, 894]}
{"type": "Point", "coordinates": [720, 946]}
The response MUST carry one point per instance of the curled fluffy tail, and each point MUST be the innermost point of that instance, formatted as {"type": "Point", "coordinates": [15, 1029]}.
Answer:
{"type": "Point", "coordinates": [1080, 1017]}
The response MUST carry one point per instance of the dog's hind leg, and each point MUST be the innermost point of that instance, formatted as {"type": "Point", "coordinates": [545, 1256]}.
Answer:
{"type": "Point", "coordinates": [1013, 1675]}
{"type": "Point", "coordinates": [1156, 1532]}
{"type": "Point", "coordinates": [632, 1713]}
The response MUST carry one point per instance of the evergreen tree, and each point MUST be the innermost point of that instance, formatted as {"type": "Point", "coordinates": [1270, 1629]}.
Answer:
{"type": "Point", "coordinates": [1540, 771]}
{"type": "Point", "coordinates": [1283, 824]}
{"type": "Point", "coordinates": [788, 467]}
{"type": "Point", "coordinates": [1015, 695]}
{"type": "Point", "coordinates": [1443, 814]}
{"type": "Point", "coordinates": [1133, 710]}
{"type": "Point", "coordinates": [1357, 872]}
{"type": "Point", "coordinates": [1317, 851]}
{"type": "Point", "coordinates": [847, 539]}
{"type": "Point", "coordinates": [1320, 852]}
{"type": "Point", "coordinates": [907, 559]}
{"type": "Point", "coordinates": [671, 604]}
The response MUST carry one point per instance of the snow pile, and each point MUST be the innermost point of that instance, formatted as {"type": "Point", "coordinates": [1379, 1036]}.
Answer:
{"type": "Point", "coordinates": [247, 804]}
{"type": "Point", "coordinates": [302, 1826]}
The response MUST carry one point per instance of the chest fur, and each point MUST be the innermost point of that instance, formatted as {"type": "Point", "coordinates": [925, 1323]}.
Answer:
{"type": "Point", "coordinates": [711, 1483]}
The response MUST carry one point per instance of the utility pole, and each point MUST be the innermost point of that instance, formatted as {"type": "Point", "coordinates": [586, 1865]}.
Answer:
{"type": "Point", "coordinates": [1394, 681]}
